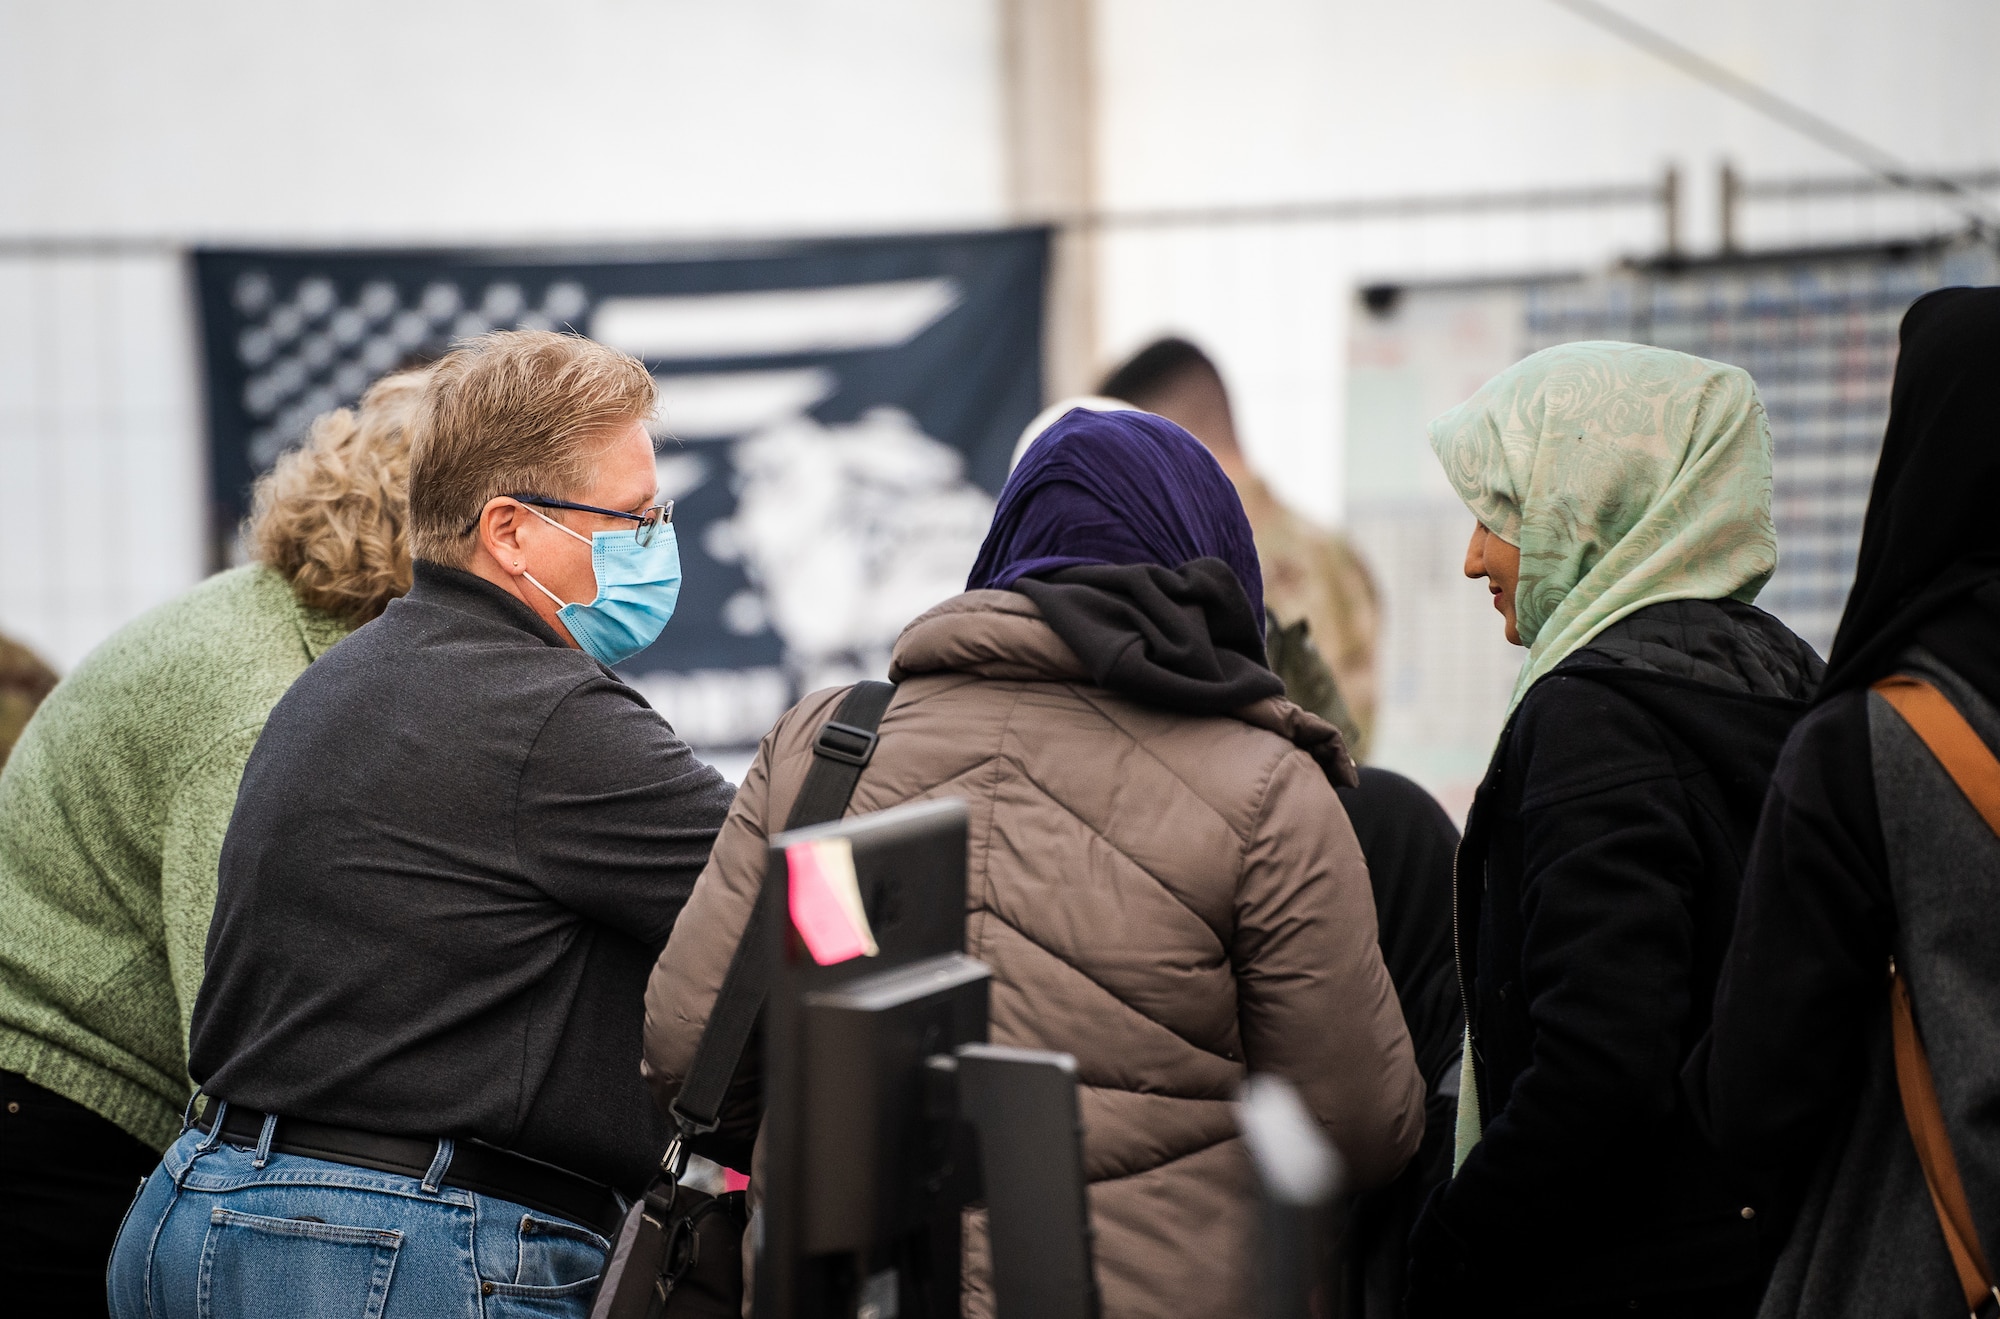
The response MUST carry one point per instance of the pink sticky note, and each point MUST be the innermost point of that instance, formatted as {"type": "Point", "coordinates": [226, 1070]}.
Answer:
{"type": "Point", "coordinates": [826, 901]}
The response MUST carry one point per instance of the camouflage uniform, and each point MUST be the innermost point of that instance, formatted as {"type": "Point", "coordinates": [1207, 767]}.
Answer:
{"type": "Point", "coordinates": [1308, 681]}
{"type": "Point", "coordinates": [1312, 574]}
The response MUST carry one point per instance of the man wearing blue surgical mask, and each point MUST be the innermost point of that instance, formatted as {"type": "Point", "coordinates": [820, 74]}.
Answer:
{"type": "Point", "coordinates": [612, 600]}
{"type": "Point", "coordinates": [458, 848]}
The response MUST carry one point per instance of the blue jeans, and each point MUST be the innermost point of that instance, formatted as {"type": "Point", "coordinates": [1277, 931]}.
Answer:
{"type": "Point", "coordinates": [219, 1233]}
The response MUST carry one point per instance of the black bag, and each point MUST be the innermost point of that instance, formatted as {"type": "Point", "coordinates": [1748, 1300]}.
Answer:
{"type": "Point", "coordinates": [679, 1252]}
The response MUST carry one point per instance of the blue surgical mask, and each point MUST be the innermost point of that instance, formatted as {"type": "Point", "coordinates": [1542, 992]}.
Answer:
{"type": "Point", "coordinates": [637, 587]}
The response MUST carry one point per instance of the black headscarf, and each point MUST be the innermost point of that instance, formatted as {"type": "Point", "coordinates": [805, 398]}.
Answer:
{"type": "Point", "coordinates": [1932, 535]}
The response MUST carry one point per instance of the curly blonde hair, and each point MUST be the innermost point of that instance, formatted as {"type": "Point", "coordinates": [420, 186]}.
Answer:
{"type": "Point", "coordinates": [332, 517]}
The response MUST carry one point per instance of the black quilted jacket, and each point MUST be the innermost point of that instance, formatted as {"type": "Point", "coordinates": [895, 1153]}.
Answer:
{"type": "Point", "coordinates": [1595, 894]}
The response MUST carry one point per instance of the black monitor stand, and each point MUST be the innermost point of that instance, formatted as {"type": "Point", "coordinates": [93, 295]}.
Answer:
{"type": "Point", "coordinates": [1022, 1106]}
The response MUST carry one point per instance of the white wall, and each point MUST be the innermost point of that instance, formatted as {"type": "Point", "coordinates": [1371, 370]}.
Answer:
{"type": "Point", "coordinates": [100, 463]}
{"type": "Point", "coordinates": [1260, 100]}
{"type": "Point", "coordinates": [443, 120]}
{"type": "Point", "coordinates": [420, 121]}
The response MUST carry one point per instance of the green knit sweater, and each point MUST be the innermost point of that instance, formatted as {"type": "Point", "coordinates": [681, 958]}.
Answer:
{"type": "Point", "coordinates": [112, 811]}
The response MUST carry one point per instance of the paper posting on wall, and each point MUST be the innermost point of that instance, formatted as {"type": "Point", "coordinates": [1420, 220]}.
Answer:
{"type": "Point", "coordinates": [826, 901]}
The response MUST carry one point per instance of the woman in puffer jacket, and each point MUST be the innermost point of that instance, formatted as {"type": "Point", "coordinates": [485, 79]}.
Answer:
{"type": "Point", "coordinates": [1159, 871]}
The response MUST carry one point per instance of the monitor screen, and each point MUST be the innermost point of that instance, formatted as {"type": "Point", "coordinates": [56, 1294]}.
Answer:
{"type": "Point", "coordinates": [867, 1163]}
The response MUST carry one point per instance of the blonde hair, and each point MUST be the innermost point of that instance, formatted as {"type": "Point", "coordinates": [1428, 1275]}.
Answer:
{"type": "Point", "coordinates": [331, 516]}
{"type": "Point", "coordinates": [516, 411]}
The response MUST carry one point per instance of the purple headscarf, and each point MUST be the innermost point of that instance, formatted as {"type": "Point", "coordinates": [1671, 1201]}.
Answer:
{"type": "Point", "coordinates": [1117, 488]}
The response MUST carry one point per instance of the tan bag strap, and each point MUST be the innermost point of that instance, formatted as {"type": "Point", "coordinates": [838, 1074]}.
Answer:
{"type": "Point", "coordinates": [1957, 747]}
{"type": "Point", "coordinates": [1974, 769]}
{"type": "Point", "coordinates": [1926, 1119]}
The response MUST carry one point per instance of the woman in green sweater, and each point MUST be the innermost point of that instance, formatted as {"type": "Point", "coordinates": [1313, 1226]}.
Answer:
{"type": "Point", "coordinates": [113, 807]}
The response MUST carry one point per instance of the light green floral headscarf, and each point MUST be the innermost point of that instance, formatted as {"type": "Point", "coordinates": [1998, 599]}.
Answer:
{"type": "Point", "coordinates": [1626, 475]}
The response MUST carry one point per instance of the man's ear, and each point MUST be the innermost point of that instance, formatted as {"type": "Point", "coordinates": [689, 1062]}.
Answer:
{"type": "Point", "coordinates": [500, 526]}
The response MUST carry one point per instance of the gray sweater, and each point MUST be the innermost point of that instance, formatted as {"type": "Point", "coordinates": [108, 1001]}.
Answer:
{"type": "Point", "coordinates": [458, 848]}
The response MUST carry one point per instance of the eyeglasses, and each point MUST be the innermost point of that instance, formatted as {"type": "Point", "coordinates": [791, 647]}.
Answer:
{"type": "Point", "coordinates": [648, 530]}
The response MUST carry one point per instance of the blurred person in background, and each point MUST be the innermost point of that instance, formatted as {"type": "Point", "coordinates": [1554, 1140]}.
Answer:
{"type": "Point", "coordinates": [1316, 587]}
{"type": "Point", "coordinates": [112, 814]}
{"type": "Point", "coordinates": [1309, 682]}
{"type": "Point", "coordinates": [24, 682]}
{"type": "Point", "coordinates": [1623, 499]}
{"type": "Point", "coordinates": [1162, 877]}
{"type": "Point", "coordinates": [460, 844]}
{"type": "Point", "coordinates": [1868, 849]}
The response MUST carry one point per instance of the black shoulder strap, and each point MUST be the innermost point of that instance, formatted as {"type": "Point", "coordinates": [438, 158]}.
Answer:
{"type": "Point", "coordinates": [843, 747]}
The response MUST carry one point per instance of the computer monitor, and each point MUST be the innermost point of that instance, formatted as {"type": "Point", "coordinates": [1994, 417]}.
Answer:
{"type": "Point", "coordinates": [867, 1163]}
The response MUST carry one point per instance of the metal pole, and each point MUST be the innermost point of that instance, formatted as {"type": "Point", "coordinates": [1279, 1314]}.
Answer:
{"type": "Point", "coordinates": [1670, 207]}
{"type": "Point", "coordinates": [1729, 194]}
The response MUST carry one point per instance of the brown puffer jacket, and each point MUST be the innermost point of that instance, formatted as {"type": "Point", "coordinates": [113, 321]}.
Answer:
{"type": "Point", "coordinates": [1175, 900]}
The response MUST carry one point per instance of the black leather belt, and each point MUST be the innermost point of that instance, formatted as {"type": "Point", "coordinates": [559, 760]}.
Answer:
{"type": "Point", "coordinates": [481, 1169]}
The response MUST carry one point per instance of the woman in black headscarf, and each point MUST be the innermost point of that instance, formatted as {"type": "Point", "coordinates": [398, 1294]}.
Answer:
{"type": "Point", "coordinates": [1866, 849]}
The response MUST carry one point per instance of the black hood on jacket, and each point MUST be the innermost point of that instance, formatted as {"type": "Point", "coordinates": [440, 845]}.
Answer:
{"type": "Point", "coordinates": [1182, 638]}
